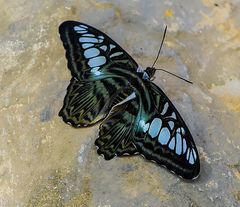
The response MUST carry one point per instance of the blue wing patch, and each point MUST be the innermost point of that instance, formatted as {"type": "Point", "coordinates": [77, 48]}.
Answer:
{"type": "Point", "coordinates": [167, 140]}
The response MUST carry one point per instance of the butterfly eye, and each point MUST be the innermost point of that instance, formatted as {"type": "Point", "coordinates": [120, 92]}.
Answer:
{"type": "Point", "coordinates": [150, 72]}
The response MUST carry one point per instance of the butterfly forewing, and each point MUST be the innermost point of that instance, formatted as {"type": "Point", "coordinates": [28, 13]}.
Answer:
{"type": "Point", "coordinates": [162, 136]}
{"type": "Point", "coordinates": [92, 54]}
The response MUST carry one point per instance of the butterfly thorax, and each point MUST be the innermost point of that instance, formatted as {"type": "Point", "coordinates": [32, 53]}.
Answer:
{"type": "Point", "coordinates": [150, 71]}
{"type": "Point", "coordinates": [146, 74]}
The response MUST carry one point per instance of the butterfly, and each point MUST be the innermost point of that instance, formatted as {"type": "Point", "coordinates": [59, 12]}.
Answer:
{"type": "Point", "coordinates": [136, 116]}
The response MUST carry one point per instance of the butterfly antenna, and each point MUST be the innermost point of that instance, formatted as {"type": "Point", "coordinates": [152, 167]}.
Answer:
{"type": "Point", "coordinates": [174, 75]}
{"type": "Point", "coordinates": [159, 51]}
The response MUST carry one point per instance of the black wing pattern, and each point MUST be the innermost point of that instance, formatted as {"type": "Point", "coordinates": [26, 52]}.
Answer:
{"type": "Point", "coordinates": [159, 134]}
{"type": "Point", "coordinates": [91, 54]}
{"type": "Point", "coordinates": [162, 136]}
{"type": "Point", "coordinates": [85, 103]}
{"type": "Point", "coordinates": [115, 135]}
{"type": "Point", "coordinates": [88, 102]}
{"type": "Point", "coordinates": [138, 116]}
{"type": "Point", "coordinates": [94, 60]}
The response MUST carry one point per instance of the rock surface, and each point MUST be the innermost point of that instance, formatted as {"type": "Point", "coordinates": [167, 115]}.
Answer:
{"type": "Point", "coordinates": [44, 162]}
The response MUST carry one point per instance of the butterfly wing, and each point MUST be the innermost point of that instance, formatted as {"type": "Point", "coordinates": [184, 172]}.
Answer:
{"type": "Point", "coordinates": [84, 103]}
{"type": "Point", "coordinates": [96, 62]}
{"type": "Point", "coordinates": [115, 135]}
{"type": "Point", "coordinates": [162, 136]}
{"type": "Point", "coordinates": [91, 54]}
{"type": "Point", "coordinates": [159, 134]}
{"type": "Point", "coordinates": [87, 103]}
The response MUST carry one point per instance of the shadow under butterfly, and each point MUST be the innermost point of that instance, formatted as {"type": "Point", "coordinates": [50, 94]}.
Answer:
{"type": "Point", "coordinates": [137, 117]}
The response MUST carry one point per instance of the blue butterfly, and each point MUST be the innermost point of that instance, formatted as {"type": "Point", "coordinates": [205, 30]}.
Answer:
{"type": "Point", "coordinates": [136, 116]}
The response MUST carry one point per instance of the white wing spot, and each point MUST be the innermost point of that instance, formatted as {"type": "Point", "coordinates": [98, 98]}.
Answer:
{"type": "Point", "coordinates": [172, 143]}
{"type": "Point", "coordinates": [188, 151]}
{"type": "Point", "coordinates": [112, 46]}
{"type": "Point", "coordinates": [183, 131]}
{"type": "Point", "coordinates": [173, 115]}
{"type": "Point", "coordinates": [87, 45]}
{"type": "Point", "coordinates": [91, 52]}
{"type": "Point", "coordinates": [82, 32]}
{"type": "Point", "coordinates": [171, 124]}
{"type": "Point", "coordinates": [88, 39]}
{"type": "Point", "coordinates": [94, 70]}
{"type": "Point", "coordinates": [76, 28]}
{"type": "Point", "coordinates": [130, 97]}
{"type": "Point", "coordinates": [165, 108]}
{"type": "Point", "coordinates": [155, 127]}
{"type": "Point", "coordinates": [97, 73]}
{"type": "Point", "coordinates": [104, 47]}
{"type": "Point", "coordinates": [140, 69]}
{"type": "Point", "coordinates": [164, 136]}
{"type": "Point", "coordinates": [191, 159]}
{"type": "Point", "coordinates": [178, 144]}
{"type": "Point", "coordinates": [194, 154]}
{"type": "Point", "coordinates": [97, 61]}
{"type": "Point", "coordinates": [116, 54]}
{"type": "Point", "coordinates": [144, 126]}
{"type": "Point", "coordinates": [88, 35]}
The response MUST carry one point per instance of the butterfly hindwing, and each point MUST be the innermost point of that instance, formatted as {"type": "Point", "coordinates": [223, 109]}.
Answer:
{"type": "Point", "coordinates": [86, 103]}
{"type": "Point", "coordinates": [163, 137]}
{"type": "Point", "coordinates": [115, 135]}
{"type": "Point", "coordinates": [91, 54]}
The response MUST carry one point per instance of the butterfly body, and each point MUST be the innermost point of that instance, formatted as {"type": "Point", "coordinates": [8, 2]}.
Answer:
{"type": "Point", "coordinates": [137, 117]}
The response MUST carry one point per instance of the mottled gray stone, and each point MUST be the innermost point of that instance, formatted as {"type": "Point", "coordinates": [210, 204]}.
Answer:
{"type": "Point", "coordinates": [44, 162]}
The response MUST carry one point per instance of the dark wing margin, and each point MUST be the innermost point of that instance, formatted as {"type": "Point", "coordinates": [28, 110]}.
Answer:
{"type": "Point", "coordinates": [74, 55]}
{"type": "Point", "coordinates": [82, 42]}
{"type": "Point", "coordinates": [116, 131]}
{"type": "Point", "coordinates": [166, 139]}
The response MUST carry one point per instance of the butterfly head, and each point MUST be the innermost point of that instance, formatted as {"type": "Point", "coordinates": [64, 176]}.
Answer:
{"type": "Point", "coordinates": [150, 72]}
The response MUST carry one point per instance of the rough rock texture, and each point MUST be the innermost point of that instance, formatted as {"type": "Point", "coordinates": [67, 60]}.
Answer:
{"type": "Point", "coordinates": [44, 162]}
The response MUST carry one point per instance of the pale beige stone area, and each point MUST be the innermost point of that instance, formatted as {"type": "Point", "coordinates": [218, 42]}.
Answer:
{"type": "Point", "coordinates": [44, 162]}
